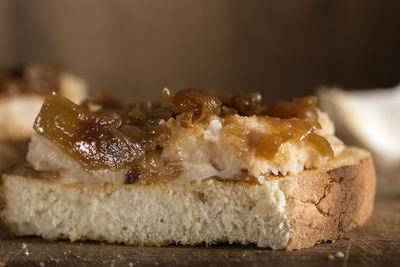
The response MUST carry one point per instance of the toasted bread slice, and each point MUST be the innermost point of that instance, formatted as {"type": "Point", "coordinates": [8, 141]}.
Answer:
{"type": "Point", "coordinates": [291, 212]}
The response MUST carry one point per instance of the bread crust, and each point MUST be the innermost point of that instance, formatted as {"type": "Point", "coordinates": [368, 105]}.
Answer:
{"type": "Point", "coordinates": [333, 203]}
{"type": "Point", "coordinates": [322, 204]}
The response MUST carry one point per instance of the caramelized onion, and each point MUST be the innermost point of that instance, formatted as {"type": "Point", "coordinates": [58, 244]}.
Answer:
{"type": "Point", "coordinates": [303, 108]}
{"type": "Point", "coordinates": [101, 139]}
{"type": "Point", "coordinates": [94, 139]}
{"type": "Point", "coordinates": [245, 104]}
{"type": "Point", "coordinates": [195, 104]}
{"type": "Point", "coordinates": [283, 130]}
{"type": "Point", "coordinates": [107, 101]}
{"type": "Point", "coordinates": [268, 146]}
{"type": "Point", "coordinates": [320, 143]}
{"type": "Point", "coordinates": [113, 136]}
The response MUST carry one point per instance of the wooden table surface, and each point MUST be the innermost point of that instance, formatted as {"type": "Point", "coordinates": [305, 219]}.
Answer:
{"type": "Point", "coordinates": [377, 243]}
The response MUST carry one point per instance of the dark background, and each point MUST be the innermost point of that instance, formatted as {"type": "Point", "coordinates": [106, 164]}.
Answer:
{"type": "Point", "coordinates": [281, 48]}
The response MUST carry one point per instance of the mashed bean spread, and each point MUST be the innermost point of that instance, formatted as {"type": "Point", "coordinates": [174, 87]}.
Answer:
{"type": "Point", "coordinates": [144, 140]}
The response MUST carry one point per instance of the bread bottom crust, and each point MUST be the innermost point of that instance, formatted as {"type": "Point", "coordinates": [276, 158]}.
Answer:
{"type": "Point", "coordinates": [289, 212]}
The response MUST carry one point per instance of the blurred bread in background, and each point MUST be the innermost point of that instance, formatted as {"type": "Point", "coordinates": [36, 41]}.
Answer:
{"type": "Point", "coordinates": [22, 92]}
{"type": "Point", "coordinates": [370, 119]}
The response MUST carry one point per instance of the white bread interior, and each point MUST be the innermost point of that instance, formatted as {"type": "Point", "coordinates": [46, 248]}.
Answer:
{"type": "Point", "coordinates": [288, 212]}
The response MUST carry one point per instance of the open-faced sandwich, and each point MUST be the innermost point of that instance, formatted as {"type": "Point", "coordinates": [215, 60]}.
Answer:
{"type": "Point", "coordinates": [200, 169]}
{"type": "Point", "coordinates": [21, 95]}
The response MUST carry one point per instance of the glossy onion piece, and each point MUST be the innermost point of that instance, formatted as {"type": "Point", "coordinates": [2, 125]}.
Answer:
{"type": "Point", "coordinates": [196, 104]}
{"type": "Point", "coordinates": [246, 104]}
{"type": "Point", "coordinates": [93, 139]}
{"type": "Point", "coordinates": [283, 130]}
{"type": "Point", "coordinates": [107, 101]}
{"type": "Point", "coordinates": [268, 146]}
{"type": "Point", "coordinates": [293, 128]}
{"type": "Point", "coordinates": [320, 143]}
{"type": "Point", "coordinates": [303, 108]}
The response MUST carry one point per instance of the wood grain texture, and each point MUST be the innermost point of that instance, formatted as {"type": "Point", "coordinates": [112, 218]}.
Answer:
{"type": "Point", "coordinates": [374, 244]}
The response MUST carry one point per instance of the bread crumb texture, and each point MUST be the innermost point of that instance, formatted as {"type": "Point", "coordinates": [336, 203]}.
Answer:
{"type": "Point", "coordinates": [287, 213]}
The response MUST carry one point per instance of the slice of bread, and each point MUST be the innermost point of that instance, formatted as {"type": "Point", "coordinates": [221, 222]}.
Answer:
{"type": "Point", "coordinates": [290, 212]}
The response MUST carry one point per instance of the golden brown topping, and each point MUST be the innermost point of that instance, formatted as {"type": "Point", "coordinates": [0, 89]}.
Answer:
{"type": "Point", "coordinates": [94, 139]}
{"type": "Point", "coordinates": [321, 144]}
{"type": "Point", "coordinates": [145, 106]}
{"type": "Point", "coordinates": [102, 139]}
{"type": "Point", "coordinates": [303, 108]}
{"type": "Point", "coordinates": [268, 146]}
{"type": "Point", "coordinates": [195, 104]}
{"type": "Point", "coordinates": [251, 104]}
{"type": "Point", "coordinates": [245, 104]}
{"type": "Point", "coordinates": [283, 130]}
{"type": "Point", "coordinates": [227, 111]}
{"type": "Point", "coordinates": [102, 133]}
{"type": "Point", "coordinates": [106, 101]}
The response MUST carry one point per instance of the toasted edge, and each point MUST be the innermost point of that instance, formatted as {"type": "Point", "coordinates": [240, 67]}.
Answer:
{"type": "Point", "coordinates": [333, 203]}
